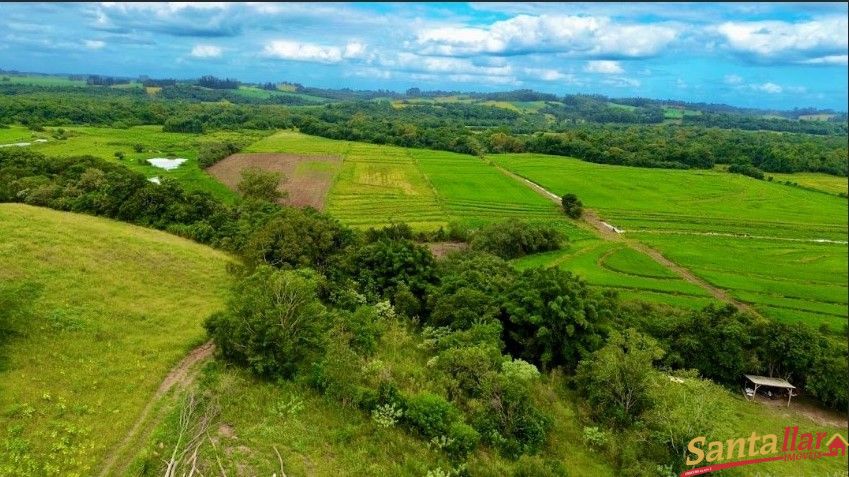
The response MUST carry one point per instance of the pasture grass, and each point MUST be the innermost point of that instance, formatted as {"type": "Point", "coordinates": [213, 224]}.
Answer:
{"type": "Point", "coordinates": [43, 80]}
{"type": "Point", "coordinates": [105, 142]}
{"type": "Point", "coordinates": [815, 180]}
{"type": "Point", "coordinates": [771, 258]}
{"type": "Point", "coordinates": [116, 307]}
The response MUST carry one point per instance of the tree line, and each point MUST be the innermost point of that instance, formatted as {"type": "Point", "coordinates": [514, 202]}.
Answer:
{"type": "Point", "coordinates": [460, 127]}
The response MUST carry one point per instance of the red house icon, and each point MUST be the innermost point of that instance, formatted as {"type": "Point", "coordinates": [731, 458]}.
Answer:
{"type": "Point", "coordinates": [837, 446]}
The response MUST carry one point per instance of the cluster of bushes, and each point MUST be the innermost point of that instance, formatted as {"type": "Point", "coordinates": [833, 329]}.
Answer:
{"type": "Point", "coordinates": [514, 238]}
{"type": "Point", "coordinates": [211, 152]}
{"type": "Point", "coordinates": [746, 170]}
{"type": "Point", "coordinates": [572, 206]}
{"type": "Point", "coordinates": [317, 303]}
{"type": "Point", "coordinates": [723, 344]}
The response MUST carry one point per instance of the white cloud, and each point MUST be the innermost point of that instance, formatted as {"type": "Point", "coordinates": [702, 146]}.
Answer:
{"type": "Point", "coordinates": [577, 36]}
{"type": "Point", "coordinates": [603, 66]}
{"type": "Point", "coordinates": [732, 79]}
{"type": "Point", "coordinates": [315, 53]}
{"type": "Point", "coordinates": [550, 74]}
{"type": "Point", "coordinates": [94, 44]}
{"type": "Point", "coordinates": [297, 51]}
{"type": "Point", "coordinates": [206, 51]}
{"type": "Point", "coordinates": [768, 87]}
{"type": "Point", "coordinates": [828, 60]}
{"type": "Point", "coordinates": [164, 8]}
{"type": "Point", "coordinates": [621, 82]}
{"type": "Point", "coordinates": [354, 49]}
{"type": "Point", "coordinates": [805, 42]}
{"type": "Point", "coordinates": [446, 65]}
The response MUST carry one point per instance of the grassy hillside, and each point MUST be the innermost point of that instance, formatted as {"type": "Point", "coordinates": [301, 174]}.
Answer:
{"type": "Point", "coordinates": [116, 306]}
{"type": "Point", "coordinates": [781, 248]}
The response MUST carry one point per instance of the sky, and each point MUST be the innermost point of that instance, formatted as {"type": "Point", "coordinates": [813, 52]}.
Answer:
{"type": "Point", "coordinates": [777, 55]}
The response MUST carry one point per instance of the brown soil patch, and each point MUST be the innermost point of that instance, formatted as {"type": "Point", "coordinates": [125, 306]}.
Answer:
{"type": "Point", "coordinates": [443, 249]}
{"type": "Point", "coordinates": [307, 179]}
{"type": "Point", "coordinates": [805, 407]}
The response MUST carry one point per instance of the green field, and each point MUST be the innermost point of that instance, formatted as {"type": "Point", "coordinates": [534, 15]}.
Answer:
{"type": "Point", "coordinates": [115, 307]}
{"type": "Point", "coordinates": [429, 189]}
{"type": "Point", "coordinates": [105, 142]}
{"type": "Point", "coordinates": [780, 248]}
{"type": "Point", "coordinates": [816, 181]}
{"type": "Point", "coordinates": [42, 80]}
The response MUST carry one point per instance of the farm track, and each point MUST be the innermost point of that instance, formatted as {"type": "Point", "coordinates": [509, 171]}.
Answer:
{"type": "Point", "coordinates": [182, 376]}
{"type": "Point", "coordinates": [744, 236]}
{"type": "Point", "coordinates": [605, 231]}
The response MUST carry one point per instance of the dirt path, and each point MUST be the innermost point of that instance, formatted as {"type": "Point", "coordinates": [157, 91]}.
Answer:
{"type": "Point", "coordinates": [608, 232]}
{"type": "Point", "coordinates": [182, 375]}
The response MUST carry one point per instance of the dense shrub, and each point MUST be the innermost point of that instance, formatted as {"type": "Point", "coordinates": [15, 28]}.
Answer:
{"type": "Point", "coordinates": [296, 238]}
{"type": "Point", "coordinates": [507, 418]}
{"type": "Point", "coordinates": [572, 206]}
{"type": "Point", "coordinates": [211, 152]}
{"type": "Point", "coordinates": [394, 231]}
{"type": "Point", "coordinates": [273, 321]}
{"type": "Point", "coordinates": [616, 378]}
{"type": "Point", "coordinates": [552, 318]}
{"type": "Point", "coordinates": [381, 267]}
{"type": "Point", "coordinates": [258, 184]}
{"type": "Point", "coordinates": [514, 238]}
{"type": "Point", "coordinates": [183, 124]}
{"type": "Point", "coordinates": [430, 415]}
{"type": "Point", "coordinates": [746, 170]}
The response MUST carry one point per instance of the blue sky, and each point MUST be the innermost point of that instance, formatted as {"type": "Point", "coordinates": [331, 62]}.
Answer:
{"type": "Point", "coordinates": [748, 54]}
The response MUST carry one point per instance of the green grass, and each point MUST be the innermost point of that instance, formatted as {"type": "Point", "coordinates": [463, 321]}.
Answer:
{"type": "Point", "coordinates": [259, 93]}
{"type": "Point", "coordinates": [378, 184]}
{"type": "Point", "coordinates": [325, 438]}
{"type": "Point", "coordinates": [429, 189]}
{"type": "Point", "coordinates": [117, 307]}
{"type": "Point", "coordinates": [322, 437]}
{"type": "Point", "coordinates": [814, 180]}
{"type": "Point", "coordinates": [589, 258]}
{"type": "Point", "coordinates": [39, 80]}
{"type": "Point", "coordinates": [688, 215]}
{"type": "Point", "coordinates": [105, 142]}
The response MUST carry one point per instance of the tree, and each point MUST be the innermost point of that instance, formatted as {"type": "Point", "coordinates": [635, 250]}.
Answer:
{"type": "Point", "coordinates": [297, 238]}
{"type": "Point", "coordinates": [616, 378]}
{"type": "Point", "coordinates": [573, 206]}
{"type": "Point", "coordinates": [258, 184]}
{"type": "Point", "coordinates": [552, 318]}
{"type": "Point", "coordinates": [684, 408]}
{"type": "Point", "coordinates": [273, 321]}
{"type": "Point", "coordinates": [719, 342]}
{"type": "Point", "coordinates": [514, 238]}
{"type": "Point", "coordinates": [380, 268]}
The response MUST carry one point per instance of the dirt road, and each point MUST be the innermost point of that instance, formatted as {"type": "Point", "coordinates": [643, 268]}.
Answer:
{"type": "Point", "coordinates": [608, 232]}
{"type": "Point", "coordinates": [181, 376]}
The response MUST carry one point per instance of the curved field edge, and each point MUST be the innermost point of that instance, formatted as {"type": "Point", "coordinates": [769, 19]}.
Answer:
{"type": "Point", "coordinates": [116, 307]}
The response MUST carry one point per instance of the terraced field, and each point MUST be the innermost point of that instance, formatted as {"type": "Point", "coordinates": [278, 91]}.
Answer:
{"type": "Point", "coordinates": [782, 249]}
{"type": "Point", "coordinates": [429, 189]}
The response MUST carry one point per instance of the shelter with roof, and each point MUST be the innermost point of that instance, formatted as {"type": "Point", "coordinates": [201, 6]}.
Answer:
{"type": "Point", "coordinates": [754, 382]}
